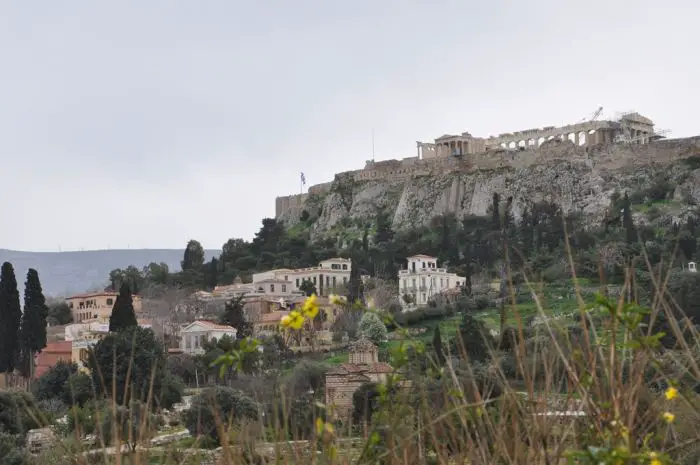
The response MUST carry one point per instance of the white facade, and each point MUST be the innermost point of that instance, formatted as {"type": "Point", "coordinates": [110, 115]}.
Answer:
{"type": "Point", "coordinates": [328, 276]}
{"type": "Point", "coordinates": [194, 335]}
{"type": "Point", "coordinates": [422, 280]}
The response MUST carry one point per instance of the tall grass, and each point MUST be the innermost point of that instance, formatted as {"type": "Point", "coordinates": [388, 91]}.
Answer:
{"type": "Point", "coordinates": [603, 391]}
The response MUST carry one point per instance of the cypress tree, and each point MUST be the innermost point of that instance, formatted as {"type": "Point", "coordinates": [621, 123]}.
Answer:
{"type": "Point", "coordinates": [627, 222]}
{"type": "Point", "coordinates": [10, 318]}
{"type": "Point", "coordinates": [33, 329]}
{"type": "Point", "coordinates": [437, 346]}
{"type": "Point", "coordinates": [123, 315]}
{"type": "Point", "coordinates": [234, 315]}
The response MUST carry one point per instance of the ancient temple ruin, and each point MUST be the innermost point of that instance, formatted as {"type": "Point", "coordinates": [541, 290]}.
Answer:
{"type": "Point", "coordinates": [630, 127]}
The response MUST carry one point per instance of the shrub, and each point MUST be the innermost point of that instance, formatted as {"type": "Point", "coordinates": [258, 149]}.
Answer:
{"type": "Point", "coordinates": [372, 327]}
{"type": "Point", "coordinates": [218, 406]}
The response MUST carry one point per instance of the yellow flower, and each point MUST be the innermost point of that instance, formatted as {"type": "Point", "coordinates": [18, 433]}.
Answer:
{"type": "Point", "coordinates": [671, 393]}
{"type": "Point", "coordinates": [337, 299]}
{"type": "Point", "coordinates": [293, 320]}
{"type": "Point", "coordinates": [669, 417]}
{"type": "Point", "coordinates": [285, 321]}
{"type": "Point", "coordinates": [655, 462]}
{"type": "Point", "coordinates": [310, 308]}
{"type": "Point", "coordinates": [654, 459]}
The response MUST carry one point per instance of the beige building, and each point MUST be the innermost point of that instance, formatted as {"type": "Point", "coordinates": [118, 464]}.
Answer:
{"type": "Point", "coordinates": [362, 367]}
{"type": "Point", "coordinates": [194, 335]}
{"type": "Point", "coordinates": [422, 280]}
{"type": "Point", "coordinates": [96, 305]}
{"type": "Point", "coordinates": [85, 335]}
{"type": "Point", "coordinates": [329, 276]}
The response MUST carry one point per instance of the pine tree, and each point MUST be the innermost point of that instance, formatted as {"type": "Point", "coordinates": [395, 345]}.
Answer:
{"type": "Point", "coordinates": [10, 318]}
{"type": "Point", "coordinates": [33, 329]}
{"type": "Point", "coordinates": [123, 315]}
{"type": "Point", "coordinates": [437, 346]}
{"type": "Point", "coordinates": [234, 315]}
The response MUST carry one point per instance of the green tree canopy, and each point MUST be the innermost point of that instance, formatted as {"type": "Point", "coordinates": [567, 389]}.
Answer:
{"type": "Point", "coordinates": [129, 360]}
{"type": "Point", "coordinates": [216, 406]}
{"type": "Point", "coordinates": [234, 315]}
{"type": "Point", "coordinates": [193, 258]}
{"type": "Point", "coordinates": [64, 382]}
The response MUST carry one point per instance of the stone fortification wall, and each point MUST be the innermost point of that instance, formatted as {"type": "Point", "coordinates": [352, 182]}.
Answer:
{"type": "Point", "coordinates": [289, 203]}
{"type": "Point", "coordinates": [608, 156]}
{"type": "Point", "coordinates": [320, 189]}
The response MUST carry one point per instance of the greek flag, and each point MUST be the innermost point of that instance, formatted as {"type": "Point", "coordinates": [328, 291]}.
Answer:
{"type": "Point", "coordinates": [303, 179]}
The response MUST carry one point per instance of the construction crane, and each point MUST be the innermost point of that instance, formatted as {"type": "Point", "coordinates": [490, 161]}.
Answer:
{"type": "Point", "coordinates": [595, 116]}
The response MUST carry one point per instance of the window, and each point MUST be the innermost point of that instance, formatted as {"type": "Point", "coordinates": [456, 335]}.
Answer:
{"type": "Point", "coordinates": [422, 281]}
{"type": "Point", "coordinates": [423, 296]}
{"type": "Point", "coordinates": [414, 282]}
{"type": "Point", "coordinates": [110, 302]}
{"type": "Point", "coordinates": [345, 279]}
{"type": "Point", "coordinates": [70, 305]}
{"type": "Point", "coordinates": [297, 282]}
{"type": "Point", "coordinates": [285, 278]}
{"type": "Point", "coordinates": [442, 283]}
{"type": "Point", "coordinates": [272, 288]}
{"type": "Point", "coordinates": [314, 279]}
{"type": "Point", "coordinates": [345, 267]}
{"type": "Point", "coordinates": [328, 281]}
{"type": "Point", "coordinates": [333, 281]}
{"type": "Point", "coordinates": [284, 288]}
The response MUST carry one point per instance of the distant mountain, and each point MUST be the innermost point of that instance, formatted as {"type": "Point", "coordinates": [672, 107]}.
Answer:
{"type": "Point", "coordinates": [64, 273]}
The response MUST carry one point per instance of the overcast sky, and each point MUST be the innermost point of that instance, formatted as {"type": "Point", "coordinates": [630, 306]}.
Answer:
{"type": "Point", "coordinates": [146, 123]}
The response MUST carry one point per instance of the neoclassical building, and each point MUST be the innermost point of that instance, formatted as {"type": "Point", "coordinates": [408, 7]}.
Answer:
{"type": "Point", "coordinates": [422, 279]}
{"type": "Point", "coordinates": [362, 367]}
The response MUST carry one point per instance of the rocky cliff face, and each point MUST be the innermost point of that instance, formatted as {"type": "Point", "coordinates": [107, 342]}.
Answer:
{"type": "Point", "coordinates": [577, 179]}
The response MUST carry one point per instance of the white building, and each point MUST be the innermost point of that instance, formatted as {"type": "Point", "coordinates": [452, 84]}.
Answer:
{"type": "Point", "coordinates": [422, 280]}
{"type": "Point", "coordinates": [328, 276]}
{"type": "Point", "coordinates": [194, 335]}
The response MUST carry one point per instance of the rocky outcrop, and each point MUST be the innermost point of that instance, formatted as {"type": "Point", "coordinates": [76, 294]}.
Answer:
{"type": "Point", "coordinates": [576, 178]}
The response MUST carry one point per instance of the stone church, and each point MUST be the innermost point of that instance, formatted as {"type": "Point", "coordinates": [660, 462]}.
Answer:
{"type": "Point", "coordinates": [363, 367]}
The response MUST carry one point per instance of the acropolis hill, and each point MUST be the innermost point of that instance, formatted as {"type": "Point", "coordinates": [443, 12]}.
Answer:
{"type": "Point", "coordinates": [577, 166]}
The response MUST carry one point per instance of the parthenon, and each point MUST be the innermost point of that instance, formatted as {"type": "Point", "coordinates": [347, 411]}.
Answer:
{"type": "Point", "coordinates": [631, 127]}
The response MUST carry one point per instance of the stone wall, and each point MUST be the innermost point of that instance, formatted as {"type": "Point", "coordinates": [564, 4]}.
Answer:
{"type": "Point", "coordinates": [608, 156]}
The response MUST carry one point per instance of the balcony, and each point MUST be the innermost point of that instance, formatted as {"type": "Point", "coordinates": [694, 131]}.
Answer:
{"type": "Point", "coordinates": [423, 271]}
